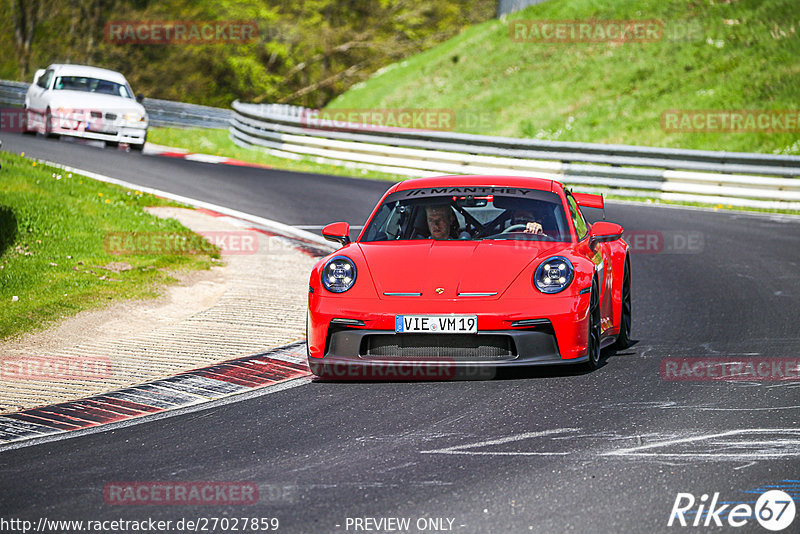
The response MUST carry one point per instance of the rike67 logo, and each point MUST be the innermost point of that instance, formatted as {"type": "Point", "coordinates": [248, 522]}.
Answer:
{"type": "Point", "coordinates": [774, 510]}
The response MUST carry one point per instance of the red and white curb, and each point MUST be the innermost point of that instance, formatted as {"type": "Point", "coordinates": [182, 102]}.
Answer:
{"type": "Point", "coordinates": [200, 386]}
{"type": "Point", "coordinates": [170, 152]}
{"type": "Point", "coordinates": [306, 246]}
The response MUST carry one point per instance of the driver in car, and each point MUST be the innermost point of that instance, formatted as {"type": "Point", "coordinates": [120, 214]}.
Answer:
{"type": "Point", "coordinates": [520, 217]}
{"type": "Point", "coordinates": [442, 223]}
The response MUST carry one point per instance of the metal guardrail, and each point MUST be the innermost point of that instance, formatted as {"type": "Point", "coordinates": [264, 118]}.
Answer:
{"type": "Point", "coordinates": [729, 178]}
{"type": "Point", "coordinates": [160, 112]}
{"type": "Point", "coordinates": [170, 113]}
{"type": "Point", "coordinates": [12, 93]}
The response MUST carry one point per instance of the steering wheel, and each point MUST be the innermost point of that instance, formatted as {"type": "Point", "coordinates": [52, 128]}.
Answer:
{"type": "Point", "coordinates": [515, 228]}
{"type": "Point", "coordinates": [522, 227]}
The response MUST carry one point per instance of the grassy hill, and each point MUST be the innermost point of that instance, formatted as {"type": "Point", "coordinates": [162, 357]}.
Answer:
{"type": "Point", "coordinates": [713, 55]}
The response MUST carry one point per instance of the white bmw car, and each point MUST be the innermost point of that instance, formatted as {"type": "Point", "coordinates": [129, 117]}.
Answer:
{"type": "Point", "coordinates": [87, 102]}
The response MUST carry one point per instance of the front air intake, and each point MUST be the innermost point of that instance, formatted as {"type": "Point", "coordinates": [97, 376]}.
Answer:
{"type": "Point", "coordinates": [456, 347]}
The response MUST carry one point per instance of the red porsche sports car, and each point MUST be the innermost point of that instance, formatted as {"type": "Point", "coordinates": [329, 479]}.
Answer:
{"type": "Point", "coordinates": [471, 270]}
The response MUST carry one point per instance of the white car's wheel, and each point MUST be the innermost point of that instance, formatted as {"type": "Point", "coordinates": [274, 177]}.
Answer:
{"type": "Point", "coordinates": [48, 124]}
{"type": "Point", "coordinates": [140, 147]}
{"type": "Point", "coordinates": [26, 121]}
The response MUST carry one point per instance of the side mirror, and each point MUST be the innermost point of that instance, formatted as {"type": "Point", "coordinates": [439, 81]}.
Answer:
{"type": "Point", "coordinates": [603, 231]}
{"type": "Point", "coordinates": [140, 98]}
{"type": "Point", "coordinates": [37, 76]}
{"type": "Point", "coordinates": [338, 232]}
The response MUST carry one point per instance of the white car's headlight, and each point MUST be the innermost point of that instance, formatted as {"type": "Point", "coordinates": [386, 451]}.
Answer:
{"type": "Point", "coordinates": [339, 274]}
{"type": "Point", "coordinates": [553, 275]}
{"type": "Point", "coordinates": [133, 117]}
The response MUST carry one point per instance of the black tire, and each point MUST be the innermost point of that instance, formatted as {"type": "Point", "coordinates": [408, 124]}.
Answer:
{"type": "Point", "coordinates": [624, 336]}
{"type": "Point", "coordinates": [593, 349]}
{"type": "Point", "coordinates": [25, 128]}
{"type": "Point", "coordinates": [308, 350]}
{"type": "Point", "coordinates": [48, 125]}
{"type": "Point", "coordinates": [139, 148]}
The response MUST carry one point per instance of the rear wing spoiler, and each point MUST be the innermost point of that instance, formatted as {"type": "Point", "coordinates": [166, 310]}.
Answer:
{"type": "Point", "coordinates": [588, 200]}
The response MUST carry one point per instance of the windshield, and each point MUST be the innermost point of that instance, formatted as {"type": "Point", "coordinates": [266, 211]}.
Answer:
{"type": "Point", "coordinates": [91, 85]}
{"type": "Point", "coordinates": [470, 213]}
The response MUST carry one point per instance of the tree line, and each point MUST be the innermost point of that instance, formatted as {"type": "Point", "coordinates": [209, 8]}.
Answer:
{"type": "Point", "coordinates": [304, 52]}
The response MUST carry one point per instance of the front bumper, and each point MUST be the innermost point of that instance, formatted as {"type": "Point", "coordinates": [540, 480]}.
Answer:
{"type": "Point", "coordinates": [100, 128]}
{"type": "Point", "coordinates": [559, 335]}
{"type": "Point", "coordinates": [123, 134]}
{"type": "Point", "coordinates": [350, 355]}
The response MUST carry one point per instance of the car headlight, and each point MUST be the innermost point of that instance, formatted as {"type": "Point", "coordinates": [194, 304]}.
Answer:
{"type": "Point", "coordinates": [553, 275]}
{"type": "Point", "coordinates": [133, 117]}
{"type": "Point", "coordinates": [339, 274]}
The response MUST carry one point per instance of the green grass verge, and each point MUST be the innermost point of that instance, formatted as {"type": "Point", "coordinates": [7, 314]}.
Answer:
{"type": "Point", "coordinates": [53, 227]}
{"type": "Point", "coordinates": [715, 55]}
{"type": "Point", "coordinates": [217, 143]}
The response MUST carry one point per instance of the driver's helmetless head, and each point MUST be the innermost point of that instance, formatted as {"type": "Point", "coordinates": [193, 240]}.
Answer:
{"type": "Point", "coordinates": [440, 220]}
{"type": "Point", "coordinates": [522, 216]}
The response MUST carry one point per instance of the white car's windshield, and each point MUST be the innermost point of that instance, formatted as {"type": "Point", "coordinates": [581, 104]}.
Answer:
{"type": "Point", "coordinates": [91, 85]}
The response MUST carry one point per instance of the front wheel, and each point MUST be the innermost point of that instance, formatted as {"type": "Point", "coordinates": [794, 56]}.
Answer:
{"type": "Point", "coordinates": [593, 345]}
{"type": "Point", "coordinates": [139, 148]}
{"type": "Point", "coordinates": [624, 336]}
{"type": "Point", "coordinates": [48, 124]}
{"type": "Point", "coordinates": [26, 122]}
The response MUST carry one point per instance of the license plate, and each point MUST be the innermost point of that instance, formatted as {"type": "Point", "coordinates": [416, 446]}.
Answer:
{"type": "Point", "coordinates": [436, 324]}
{"type": "Point", "coordinates": [99, 127]}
